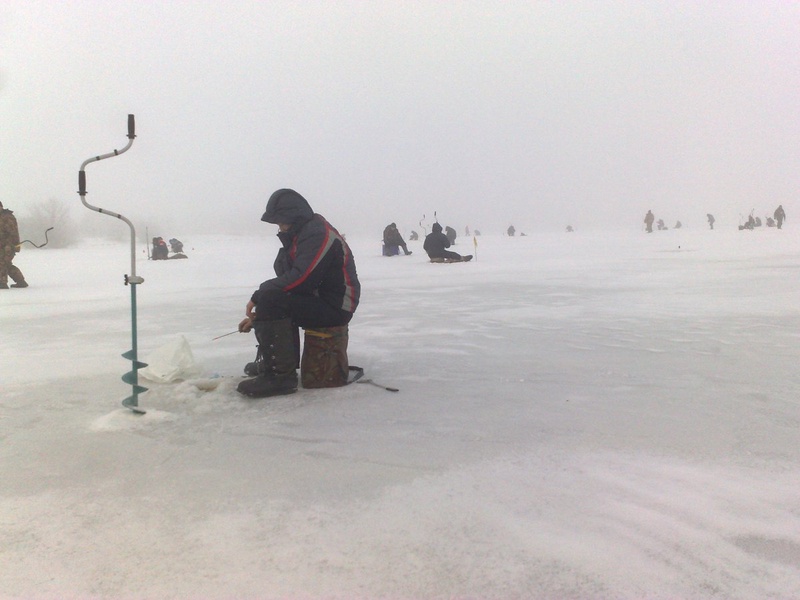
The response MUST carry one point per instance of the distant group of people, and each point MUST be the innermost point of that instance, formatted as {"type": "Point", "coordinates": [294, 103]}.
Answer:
{"type": "Point", "coordinates": [777, 219]}
{"type": "Point", "coordinates": [649, 218]}
{"type": "Point", "coordinates": [435, 244]}
{"type": "Point", "coordinates": [160, 250]}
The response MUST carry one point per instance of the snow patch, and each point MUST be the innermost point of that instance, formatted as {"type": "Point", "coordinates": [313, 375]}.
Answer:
{"type": "Point", "coordinates": [126, 420]}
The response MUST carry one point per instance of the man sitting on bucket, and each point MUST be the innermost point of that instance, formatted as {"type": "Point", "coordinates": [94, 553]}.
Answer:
{"type": "Point", "coordinates": [316, 286]}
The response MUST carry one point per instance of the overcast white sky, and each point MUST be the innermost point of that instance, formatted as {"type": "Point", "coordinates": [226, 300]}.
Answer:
{"type": "Point", "coordinates": [540, 114]}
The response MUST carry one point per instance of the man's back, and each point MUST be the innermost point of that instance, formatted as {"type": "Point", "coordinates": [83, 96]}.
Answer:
{"type": "Point", "coordinates": [435, 243]}
{"type": "Point", "coordinates": [315, 259]}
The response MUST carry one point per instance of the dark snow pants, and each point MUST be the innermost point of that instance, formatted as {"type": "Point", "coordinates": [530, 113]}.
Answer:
{"type": "Point", "coordinates": [446, 254]}
{"type": "Point", "coordinates": [7, 268]}
{"type": "Point", "coordinates": [304, 310]}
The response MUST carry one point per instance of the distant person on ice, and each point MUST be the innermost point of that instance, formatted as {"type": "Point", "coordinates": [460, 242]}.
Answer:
{"type": "Point", "coordinates": [316, 285]}
{"type": "Point", "coordinates": [780, 215]}
{"type": "Point", "coordinates": [511, 231]}
{"type": "Point", "coordinates": [436, 244]}
{"type": "Point", "coordinates": [648, 221]}
{"type": "Point", "coordinates": [393, 241]}
{"type": "Point", "coordinates": [710, 218]}
{"type": "Point", "coordinates": [9, 246]}
{"type": "Point", "coordinates": [451, 234]}
{"type": "Point", "coordinates": [160, 250]}
{"type": "Point", "coordinates": [175, 245]}
{"type": "Point", "coordinates": [750, 224]}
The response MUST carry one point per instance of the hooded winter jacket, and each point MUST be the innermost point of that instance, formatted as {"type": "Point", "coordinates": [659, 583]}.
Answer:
{"type": "Point", "coordinates": [314, 259]}
{"type": "Point", "coordinates": [392, 237]}
{"type": "Point", "coordinates": [436, 242]}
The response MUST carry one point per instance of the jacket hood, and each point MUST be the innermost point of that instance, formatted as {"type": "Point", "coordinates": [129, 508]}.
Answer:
{"type": "Point", "coordinates": [287, 206]}
{"type": "Point", "coordinates": [436, 228]}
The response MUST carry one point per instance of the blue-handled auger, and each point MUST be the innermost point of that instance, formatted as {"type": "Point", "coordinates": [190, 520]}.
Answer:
{"type": "Point", "coordinates": [131, 377]}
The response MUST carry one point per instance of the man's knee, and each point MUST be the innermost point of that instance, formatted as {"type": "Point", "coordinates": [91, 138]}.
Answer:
{"type": "Point", "coordinates": [273, 306]}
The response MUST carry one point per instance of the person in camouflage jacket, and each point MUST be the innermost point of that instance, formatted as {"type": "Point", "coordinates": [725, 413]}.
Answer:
{"type": "Point", "coordinates": [9, 246]}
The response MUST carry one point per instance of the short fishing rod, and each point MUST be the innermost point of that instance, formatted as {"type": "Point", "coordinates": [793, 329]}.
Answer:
{"type": "Point", "coordinates": [225, 335]}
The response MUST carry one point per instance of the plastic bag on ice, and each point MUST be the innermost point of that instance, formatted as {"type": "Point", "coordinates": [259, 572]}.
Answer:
{"type": "Point", "coordinates": [172, 362]}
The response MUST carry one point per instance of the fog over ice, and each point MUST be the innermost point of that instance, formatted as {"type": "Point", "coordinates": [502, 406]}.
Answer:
{"type": "Point", "coordinates": [537, 114]}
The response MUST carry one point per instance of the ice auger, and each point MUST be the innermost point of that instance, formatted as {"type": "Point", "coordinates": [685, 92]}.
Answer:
{"type": "Point", "coordinates": [132, 376]}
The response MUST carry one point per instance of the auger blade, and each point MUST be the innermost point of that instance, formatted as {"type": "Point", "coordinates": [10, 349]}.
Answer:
{"type": "Point", "coordinates": [136, 363]}
{"type": "Point", "coordinates": [131, 379]}
{"type": "Point", "coordinates": [132, 403]}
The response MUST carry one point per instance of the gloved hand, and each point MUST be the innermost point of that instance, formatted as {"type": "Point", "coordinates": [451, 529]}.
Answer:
{"type": "Point", "coordinates": [247, 323]}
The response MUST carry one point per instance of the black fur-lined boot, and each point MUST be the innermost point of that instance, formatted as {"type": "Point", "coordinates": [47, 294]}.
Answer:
{"type": "Point", "coordinates": [275, 366]}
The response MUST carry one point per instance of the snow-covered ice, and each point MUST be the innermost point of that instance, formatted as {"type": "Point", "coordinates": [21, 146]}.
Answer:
{"type": "Point", "coordinates": [584, 415]}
